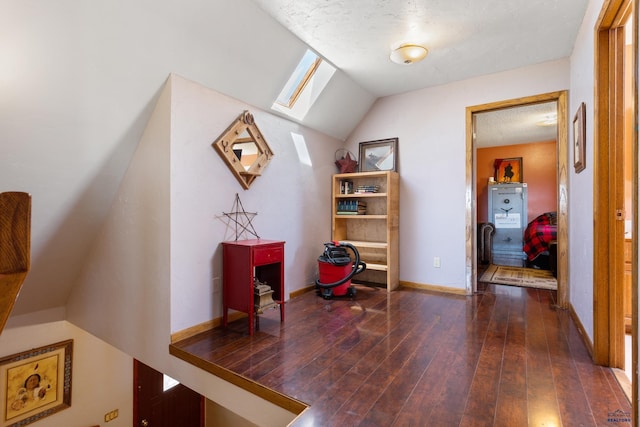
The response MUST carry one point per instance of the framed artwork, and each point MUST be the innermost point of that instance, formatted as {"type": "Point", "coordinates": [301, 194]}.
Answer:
{"type": "Point", "coordinates": [508, 170]}
{"type": "Point", "coordinates": [36, 383]}
{"type": "Point", "coordinates": [379, 155]}
{"type": "Point", "coordinates": [579, 128]}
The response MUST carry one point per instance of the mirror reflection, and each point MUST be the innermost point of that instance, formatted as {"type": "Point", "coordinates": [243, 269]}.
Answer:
{"type": "Point", "coordinates": [245, 150]}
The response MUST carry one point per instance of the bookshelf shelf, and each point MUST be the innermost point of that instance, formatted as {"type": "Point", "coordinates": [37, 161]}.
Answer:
{"type": "Point", "coordinates": [360, 195]}
{"type": "Point", "coordinates": [352, 216]}
{"type": "Point", "coordinates": [373, 245]}
{"type": "Point", "coordinates": [377, 267]}
{"type": "Point", "coordinates": [375, 230]}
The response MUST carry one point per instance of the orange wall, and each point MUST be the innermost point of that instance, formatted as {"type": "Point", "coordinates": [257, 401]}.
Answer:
{"type": "Point", "coordinates": [539, 163]}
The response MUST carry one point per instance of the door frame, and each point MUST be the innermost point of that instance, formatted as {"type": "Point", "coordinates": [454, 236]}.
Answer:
{"type": "Point", "coordinates": [608, 231]}
{"type": "Point", "coordinates": [608, 318]}
{"type": "Point", "coordinates": [562, 179]}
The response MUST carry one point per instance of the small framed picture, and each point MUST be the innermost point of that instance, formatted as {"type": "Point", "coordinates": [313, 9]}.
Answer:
{"type": "Point", "coordinates": [579, 129]}
{"type": "Point", "coordinates": [35, 383]}
{"type": "Point", "coordinates": [380, 155]}
{"type": "Point", "coordinates": [508, 170]}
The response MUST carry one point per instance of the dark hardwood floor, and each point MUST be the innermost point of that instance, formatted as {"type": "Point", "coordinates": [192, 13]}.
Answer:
{"type": "Point", "coordinates": [504, 357]}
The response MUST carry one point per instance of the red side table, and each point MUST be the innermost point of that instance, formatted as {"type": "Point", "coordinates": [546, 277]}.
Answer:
{"type": "Point", "coordinates": [242, 261]}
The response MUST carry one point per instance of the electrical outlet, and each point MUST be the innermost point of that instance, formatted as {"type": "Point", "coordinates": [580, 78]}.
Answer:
{"type": "Point", "coordinates": [436, 262]}
{"type": "Point", "coordinates": [110, 416]}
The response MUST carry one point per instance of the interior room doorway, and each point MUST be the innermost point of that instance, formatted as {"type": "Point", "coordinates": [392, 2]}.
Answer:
{"type": "Point", "coordinates": [160, 401]}
{"type": "Point", "coordinates": [560, 98]}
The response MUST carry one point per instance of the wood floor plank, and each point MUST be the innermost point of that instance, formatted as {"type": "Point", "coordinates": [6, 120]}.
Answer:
{"type": "Point", "coordinates": [511, 407]}
{"type": "Point", "coordinates": [596, 380]}
{"type": "Point", "coordinates": [572, 401]}
{"type": "Point", "coordinates": [390, 403]}
{"type": "Point", "coordinates": [447, 381]}
{"type": "Point", "coordinates": [480, 410]}
{"type": "Point", "coordinates": [541, 388]}
{"type": "Point", "coordinates": [506, 356]}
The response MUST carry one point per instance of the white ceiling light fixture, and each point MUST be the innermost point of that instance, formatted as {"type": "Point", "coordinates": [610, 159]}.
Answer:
{"type": "Point", "coordinates": [408, 53]}
{"type": "Point", "coordinates": [550, 119]}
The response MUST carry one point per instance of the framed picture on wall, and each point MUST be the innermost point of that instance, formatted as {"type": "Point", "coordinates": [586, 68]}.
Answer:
{"type": "Point", "coordinates": [508, 170]}
{"type": "Point", "coordinates": [380, 155]}
{"type": "Point", "coordinates": [579, 128]}
{"type": "Point", "coordinates": [35, 383]}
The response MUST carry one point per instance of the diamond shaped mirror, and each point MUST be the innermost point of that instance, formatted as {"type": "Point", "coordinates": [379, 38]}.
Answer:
{"type": "Point", "coordinates": [244, 149]}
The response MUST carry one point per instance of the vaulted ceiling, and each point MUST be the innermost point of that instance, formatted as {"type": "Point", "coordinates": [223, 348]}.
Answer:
{"type": "Point", "coordinates": [464, 38]}
{"type": "Point", "coordinates": [79, 81]}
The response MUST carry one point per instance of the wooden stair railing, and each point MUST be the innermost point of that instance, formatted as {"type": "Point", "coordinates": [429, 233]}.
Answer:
{"type": "Point", "coordinates": [15, 248]}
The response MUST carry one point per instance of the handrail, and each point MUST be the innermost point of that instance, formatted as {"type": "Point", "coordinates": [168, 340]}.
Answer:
{"type": "Point", "coordinates": [15, 248]}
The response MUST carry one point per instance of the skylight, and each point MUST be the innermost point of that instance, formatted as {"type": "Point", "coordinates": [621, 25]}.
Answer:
{"type": "Point", "coordinates": [303, 87]}
{"type": "Point", "coordinates": [299, 79]}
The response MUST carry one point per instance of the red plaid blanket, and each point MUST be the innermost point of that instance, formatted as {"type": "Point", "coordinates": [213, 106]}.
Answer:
{"type": "Point", "coordinates": [537, 236]}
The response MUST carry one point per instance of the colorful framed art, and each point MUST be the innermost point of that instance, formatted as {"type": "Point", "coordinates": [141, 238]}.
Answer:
{"type": "Point", "coordinates": [36, 383]}
{"type": "Point", "coordinates": [508, 170]}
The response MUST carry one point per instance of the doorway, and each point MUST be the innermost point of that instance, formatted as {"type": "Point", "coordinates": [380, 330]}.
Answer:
{"type": "Point", "coordinates": [560, 98]}
{"type": "Point", "coordinates": [616, 188]}
{"type": "Point", "coordinates": [160, 401]}
{"type": "Point", "coordinates": [517, 202]}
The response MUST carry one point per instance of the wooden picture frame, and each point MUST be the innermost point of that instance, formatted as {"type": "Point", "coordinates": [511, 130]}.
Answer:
{"type": "Point", "coordinates": [244, 149]}
{"type": "Point", "coordinates": [579, 143]}
{"type": "Point", "coordinates": [379, 155]}
{"type": "Point", "coordinates": [35, 383]}
{"type": "Point", "coordinates": [508, 170]}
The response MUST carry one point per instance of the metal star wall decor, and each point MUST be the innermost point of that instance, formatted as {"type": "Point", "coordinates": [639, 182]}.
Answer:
{"type": "Point", "coordinates": [242, 219]}
{"type": "Point", "coordinates": [346, 164]}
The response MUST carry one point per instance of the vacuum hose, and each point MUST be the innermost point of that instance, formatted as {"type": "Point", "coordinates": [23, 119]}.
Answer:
{"type": "Point", "coordinates": [358, 266]}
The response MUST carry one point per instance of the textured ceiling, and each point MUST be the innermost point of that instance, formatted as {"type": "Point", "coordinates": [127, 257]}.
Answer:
{"type": "Point", "coordinates": [465, 38]}
{"type": "Point", "coordinates": [516, 125]}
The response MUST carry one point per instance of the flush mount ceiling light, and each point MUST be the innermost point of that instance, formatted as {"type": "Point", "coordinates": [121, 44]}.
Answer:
{"type": "Point", "coordinates": [408, 54]}
{"type": "Point", "coordinates": [550, 119]}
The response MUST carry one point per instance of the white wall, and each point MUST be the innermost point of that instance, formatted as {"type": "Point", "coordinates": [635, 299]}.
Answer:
{"type": "Point", "coordinates": [79, 81]}
{"type": "Point", "coordinates": [291, 198]}
{"type": "Point", "coordinates": [150, 271]}
{"type": "Point", "coordinates": [101, 374]}
{"type": "Point", "coordinates": [430, 125]}
{"type": "Point", "coordinates": [581, 185]}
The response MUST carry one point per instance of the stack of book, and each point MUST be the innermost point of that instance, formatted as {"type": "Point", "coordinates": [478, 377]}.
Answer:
{"type": "Point", "coordinates": [367, 189]}
{"type": "Point", "coordinates": [351, 207]}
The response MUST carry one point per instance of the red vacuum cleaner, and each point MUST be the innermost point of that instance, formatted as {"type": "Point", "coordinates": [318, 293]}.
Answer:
{"type": "Point", "coordinates": [335, 270]}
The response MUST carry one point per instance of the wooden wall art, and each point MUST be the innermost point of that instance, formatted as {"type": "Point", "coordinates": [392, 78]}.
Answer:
{"type": "Point", "coordinates": [244, 149]}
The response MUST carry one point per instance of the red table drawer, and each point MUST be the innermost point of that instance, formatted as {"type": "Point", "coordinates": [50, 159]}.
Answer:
{"type": "Point", "coordinates": [268, 255]}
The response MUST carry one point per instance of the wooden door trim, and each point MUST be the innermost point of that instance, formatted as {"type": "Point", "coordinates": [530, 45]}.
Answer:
{"type": "Point", "coordinates": [605, 353]}
{"type": "Point", "coordinates": [471, 212]}
{"type": "Point", "coordinates": [608, 339]}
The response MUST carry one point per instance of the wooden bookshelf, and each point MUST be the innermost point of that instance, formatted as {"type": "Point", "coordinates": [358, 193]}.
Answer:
{"type": "Point", "coordinates": [375, 232]}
